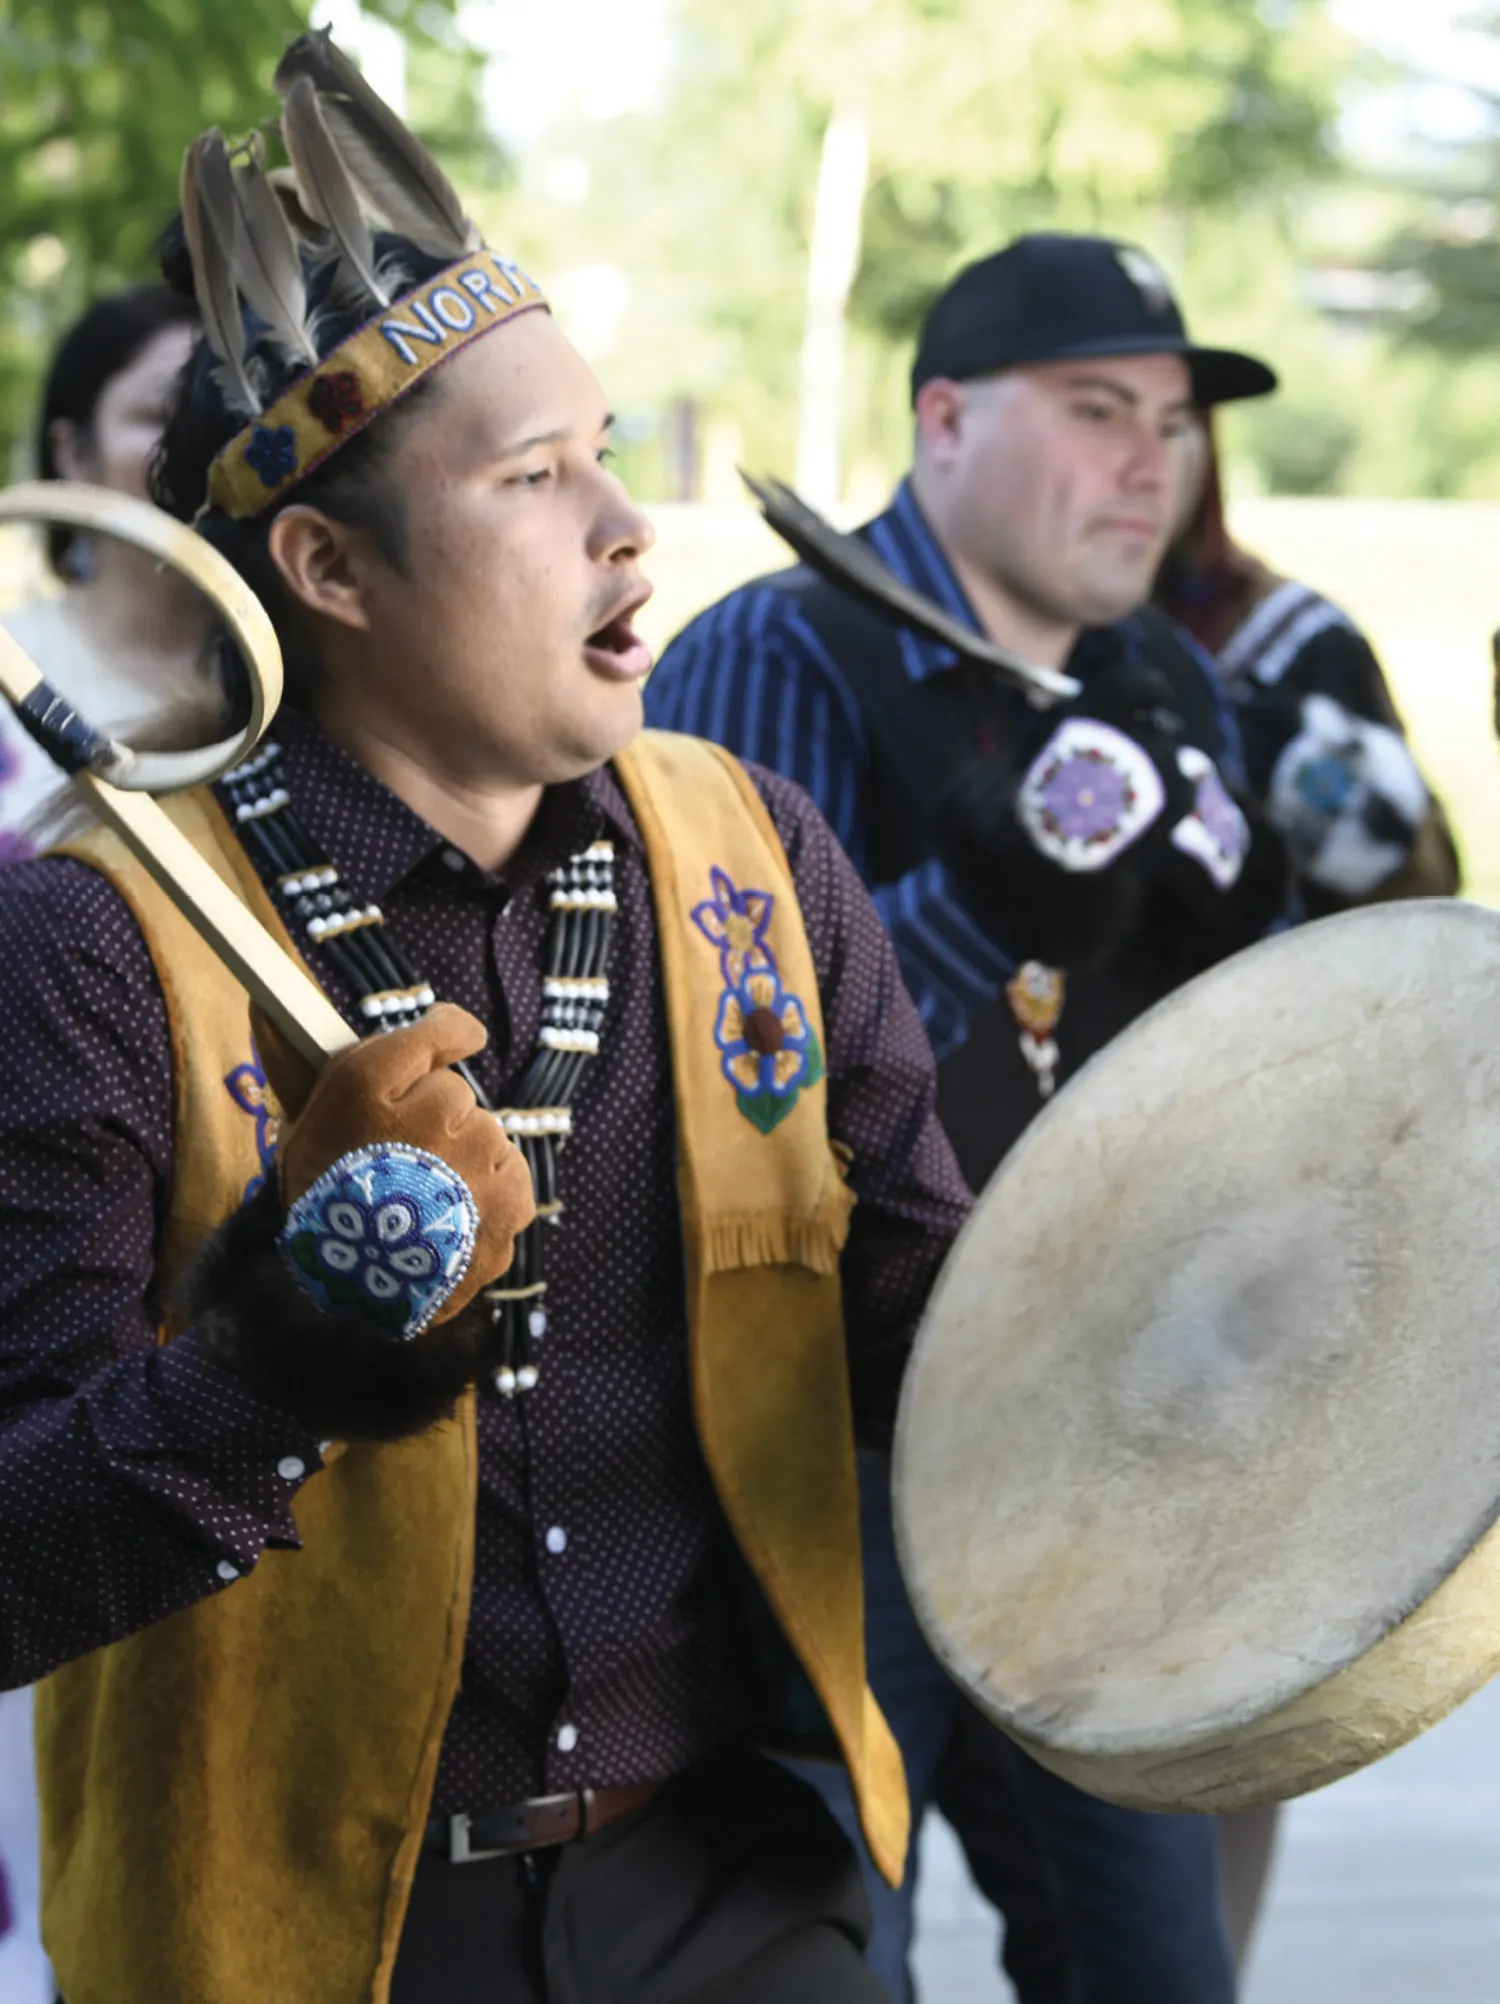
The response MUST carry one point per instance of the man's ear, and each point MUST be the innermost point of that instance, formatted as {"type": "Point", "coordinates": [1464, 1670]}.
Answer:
{"type": "Point", "coordinates": [939, 414]}
{"type": "Point", "coordinates": [323, 564]}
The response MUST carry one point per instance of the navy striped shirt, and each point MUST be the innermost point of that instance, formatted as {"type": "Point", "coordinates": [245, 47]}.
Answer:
{"type": "Point", "coordinates": [750, 673]}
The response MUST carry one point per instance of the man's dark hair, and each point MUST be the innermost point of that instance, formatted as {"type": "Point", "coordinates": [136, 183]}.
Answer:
{"type": "Point", "coordinates": [96, 348]}
{"type": "Point", "coordinates": [346, 487]}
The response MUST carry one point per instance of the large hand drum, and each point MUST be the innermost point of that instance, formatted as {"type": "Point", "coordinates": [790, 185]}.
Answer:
{"type": "Point", "coordinates": [1198, 1462]}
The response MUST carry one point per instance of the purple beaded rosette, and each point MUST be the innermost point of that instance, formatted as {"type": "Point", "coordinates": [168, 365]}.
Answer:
{"type": "Point", "coordinates": [1215, 834]}
{"type": "Point", "coordinates": [1088, 794]}
{"type": "Point", "coordinates": [386, 1234]}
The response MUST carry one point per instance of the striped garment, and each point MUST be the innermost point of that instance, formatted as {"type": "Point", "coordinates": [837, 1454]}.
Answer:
{"type": "Point", "coordinates": [1264, 647]}
{"type": "Point", "coordinates": [751, 674]}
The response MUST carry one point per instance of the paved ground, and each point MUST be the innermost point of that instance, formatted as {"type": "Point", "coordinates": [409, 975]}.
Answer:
{"type": "Point", "coordinates": [1386, 1889]}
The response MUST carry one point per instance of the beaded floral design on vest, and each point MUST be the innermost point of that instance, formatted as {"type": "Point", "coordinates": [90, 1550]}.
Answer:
{"type": "Point", "coordinates": [769, 1052]}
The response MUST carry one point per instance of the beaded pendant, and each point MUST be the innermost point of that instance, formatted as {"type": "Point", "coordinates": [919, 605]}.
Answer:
{"type": "Point", "coordinates": [1035, 994]}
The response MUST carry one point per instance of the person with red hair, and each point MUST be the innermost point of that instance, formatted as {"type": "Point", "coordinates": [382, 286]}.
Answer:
{"type": "Point", "coordinates": [1325, 747]}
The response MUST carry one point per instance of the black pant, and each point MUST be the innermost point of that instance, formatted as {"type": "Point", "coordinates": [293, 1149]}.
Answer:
{"type": "Point", "coordinates": [734, 1887]}
{"type": "Point", "coordinates": [1099, 1902]}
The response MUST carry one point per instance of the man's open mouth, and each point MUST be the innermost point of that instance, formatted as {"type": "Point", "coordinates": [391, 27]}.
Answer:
{"type": "Point", "coordinates": [618, 649]}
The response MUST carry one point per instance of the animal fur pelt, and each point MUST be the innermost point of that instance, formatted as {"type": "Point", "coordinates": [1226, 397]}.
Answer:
{"type": "Point", "coordinates": [342, 1380]}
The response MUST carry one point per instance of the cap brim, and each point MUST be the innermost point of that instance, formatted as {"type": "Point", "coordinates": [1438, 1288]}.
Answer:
{"type": "Point", "coordinates": [1220, 375]}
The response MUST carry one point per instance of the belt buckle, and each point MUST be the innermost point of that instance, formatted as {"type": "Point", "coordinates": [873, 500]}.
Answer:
{"type": "Point", "coordinates": [461, 1852]}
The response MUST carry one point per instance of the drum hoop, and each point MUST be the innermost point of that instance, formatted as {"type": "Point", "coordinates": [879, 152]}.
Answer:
{"type": "Point", "coordinates": [79, 505]}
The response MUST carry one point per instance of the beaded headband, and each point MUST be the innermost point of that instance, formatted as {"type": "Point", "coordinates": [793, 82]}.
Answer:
{"type": "Point", "coordinates": [364, 375]}
{"type": "Point", "coordinates": [255, 238]}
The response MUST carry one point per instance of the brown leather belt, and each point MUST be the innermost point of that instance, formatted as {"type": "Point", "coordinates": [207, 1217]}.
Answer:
{"type": "Point", "coordinates": [533, 1825]}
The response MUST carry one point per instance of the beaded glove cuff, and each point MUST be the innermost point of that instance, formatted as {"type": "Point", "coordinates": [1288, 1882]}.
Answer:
{"type": "Point", "coordinates": [386, 1235]}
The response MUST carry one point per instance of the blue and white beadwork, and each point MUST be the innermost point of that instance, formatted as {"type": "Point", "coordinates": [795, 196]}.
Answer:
{"type": "Point", "coordinates": [386, 1234]}
{"type": "Point", "coordinates": [1349, 798]}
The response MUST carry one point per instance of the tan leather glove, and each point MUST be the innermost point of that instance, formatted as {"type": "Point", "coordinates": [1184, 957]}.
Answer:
{"type": "Point", "coordinates": [396, 1088]}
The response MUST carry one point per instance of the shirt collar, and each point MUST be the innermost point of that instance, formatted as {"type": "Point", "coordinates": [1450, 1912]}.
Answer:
{"type": "Point", "coordinates": [377, 841]}
{"type": "Point", "coordinates": [904, 541]}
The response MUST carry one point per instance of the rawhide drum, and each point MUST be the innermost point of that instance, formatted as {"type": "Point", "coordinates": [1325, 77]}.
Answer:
{"type": "Point", "coordinates": [1198, 1461]}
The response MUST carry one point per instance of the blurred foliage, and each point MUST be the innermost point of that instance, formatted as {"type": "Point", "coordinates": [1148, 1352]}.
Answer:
{"type": "Point", "coordinates": [1126, 115]}
{"type": "Point", "coordinates": [674, 240]}
{"type": "Point", "coordinates": [1210, 133]}
{"type": "Point", "coordinates": [98, 99]}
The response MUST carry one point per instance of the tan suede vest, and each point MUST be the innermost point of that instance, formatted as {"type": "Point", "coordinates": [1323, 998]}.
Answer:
{"type": "Point", "coordinates": [233, 1799]}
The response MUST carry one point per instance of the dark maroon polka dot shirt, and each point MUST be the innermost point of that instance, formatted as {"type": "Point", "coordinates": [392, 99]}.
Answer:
{"type": "Point", "coordinates": [135, 1479]}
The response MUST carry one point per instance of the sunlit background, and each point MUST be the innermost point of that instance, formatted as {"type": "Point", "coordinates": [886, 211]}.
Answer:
{"type": "Point", "coordinates": [741, 209]}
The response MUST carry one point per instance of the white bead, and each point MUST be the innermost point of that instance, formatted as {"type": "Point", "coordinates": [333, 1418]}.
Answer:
{"type": "Point", "coordinates": [505, 1382]}
{"type": "Point", "coordinates": [291, 1468]}
{"type": "Point", "coordinates": [526, 1377]}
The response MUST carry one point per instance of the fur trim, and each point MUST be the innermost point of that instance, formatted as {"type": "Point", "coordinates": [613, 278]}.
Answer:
{"type": "Point", "coordinates": [1188, 926]}
{"type": "Point", "coordinates": [342, 1380]}
{"type": "Point", "coordinates": [1030, 905]}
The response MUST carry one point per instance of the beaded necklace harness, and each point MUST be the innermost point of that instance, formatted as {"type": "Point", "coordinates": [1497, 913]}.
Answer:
{"type": "Point", "coordinates": [321, 913]}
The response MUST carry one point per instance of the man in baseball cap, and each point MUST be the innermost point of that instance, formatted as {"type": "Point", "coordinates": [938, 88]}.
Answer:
{"type": "Point", "coordinates": [1045, 878]}
{"type": "Point", "coordinates": [1057, 298]}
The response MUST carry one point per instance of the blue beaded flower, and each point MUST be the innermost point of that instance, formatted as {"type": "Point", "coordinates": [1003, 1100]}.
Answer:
{"type": "Point", "coordinates": [386, 1234]}
{"type": "Point", "coordinates": [1326, 783]}
{"type": "Point", "coordinates": [272, 453]}
{"type": "Point", "coordinates": [768, 1049]}
{"type": "Point", "coordinates": [735, 921]}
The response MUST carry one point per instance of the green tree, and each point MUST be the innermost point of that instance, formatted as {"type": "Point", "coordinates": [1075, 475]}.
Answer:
{"type": "Point", "coordinates": [1131, 115]}
{"type": "Point", "coordinates": [98, 98]}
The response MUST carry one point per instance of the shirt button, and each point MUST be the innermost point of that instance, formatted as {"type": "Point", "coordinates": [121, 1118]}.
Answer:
{"type": "Point", "coordinates": [227, 1570]}
{"type": "Point", "coordinates": [455, 859]}
{"type": "Point", "coordinates": [567, 1739]}
{"type": "Point", "coordinates": [291, 1468]}
{"type": "Point", "coordinates": [557, 1539]}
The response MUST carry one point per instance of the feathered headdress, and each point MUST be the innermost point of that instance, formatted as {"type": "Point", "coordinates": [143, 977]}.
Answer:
{"type": "Point", "coordinates": [253, 236]}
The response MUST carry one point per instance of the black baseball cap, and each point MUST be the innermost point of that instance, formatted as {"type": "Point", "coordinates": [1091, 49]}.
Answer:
{"type": "Point", "coordinates": [1048, 298]}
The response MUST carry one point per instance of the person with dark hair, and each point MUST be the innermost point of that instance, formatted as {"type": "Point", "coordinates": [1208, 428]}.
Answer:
{"type": "Point", "coordinates": [113, 639]}
{"type": "Point", "coordinates": [122, 633]}
{"type": "Point", "coordinates": [412, 1619]}
{"type": "Point", "coordinates": [1046, 877]}
{"type": "Point", "coordinates": [1325, 747]}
